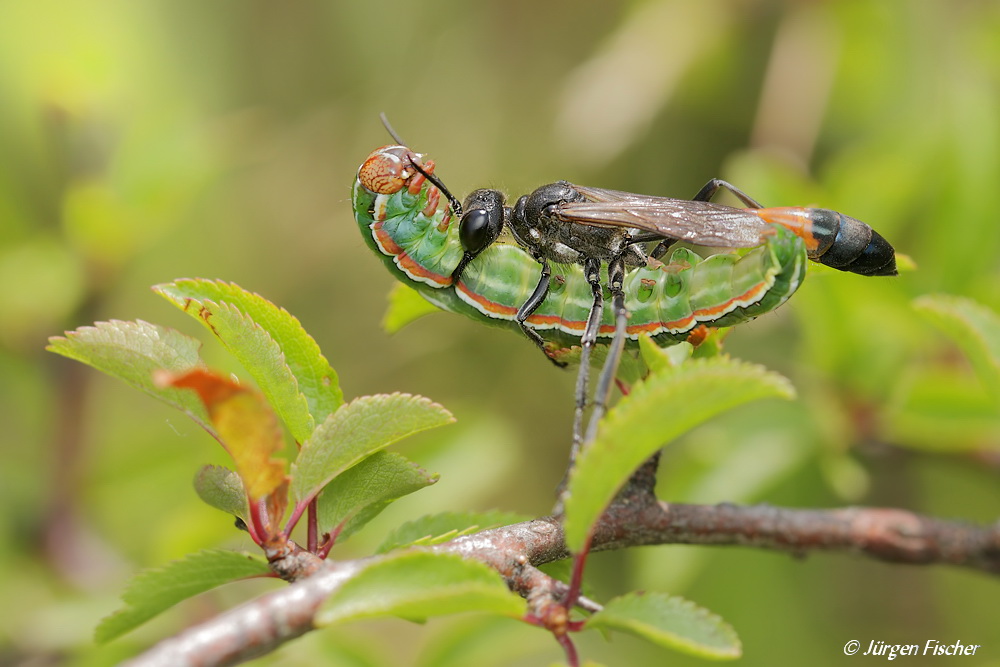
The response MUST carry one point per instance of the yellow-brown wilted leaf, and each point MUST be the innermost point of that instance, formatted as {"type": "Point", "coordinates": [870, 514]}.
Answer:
{"type": "Point", "coordinates": [246, 426]}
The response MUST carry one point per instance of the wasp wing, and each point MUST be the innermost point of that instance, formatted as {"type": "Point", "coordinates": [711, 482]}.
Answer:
{"type": "Point", "coordinates": [698, 222]}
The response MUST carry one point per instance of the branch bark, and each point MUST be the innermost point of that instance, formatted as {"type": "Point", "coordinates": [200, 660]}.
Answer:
{"type": "Point", "coordinates": [259, 626]}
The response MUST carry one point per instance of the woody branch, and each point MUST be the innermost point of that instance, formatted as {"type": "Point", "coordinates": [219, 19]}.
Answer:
{"type": "Point", "coordinates": [891, 535]}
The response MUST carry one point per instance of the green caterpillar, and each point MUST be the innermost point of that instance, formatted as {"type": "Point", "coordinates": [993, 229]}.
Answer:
{"type": "Point", "coordinates": [404, 220]}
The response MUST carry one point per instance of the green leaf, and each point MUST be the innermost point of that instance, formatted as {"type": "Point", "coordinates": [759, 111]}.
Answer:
{"type": "Point", "coordinates": [270, 343]}
{"type": "Point", "coordinates": [904, 263]}
{"type": "Point", "coordinates": [358, 495]}
{"type": "Point", "coordinates": [405, 306]}
{"type": "Point", "coordinates": [438, 528]}
{"type": "Point", "coordinates": [418, 585]}
{"type": "Point", "coordinates": [222, 488]}
{"type": "Point", "coordinates": [482, 640]}
{"type": "Point", "coordinates": [357, 430]}
{"type": "Point", "coordinates": [672, 622]}
{"type": "Point", "coordinates": [133, 352]}
{"type": "Point", "coordinates": [658, 410]}
{"type": "Point", "coordinates": [152, 591]}
{"type": "Point", "coordinates": [939, 409]}
{"type": "Point", "coordinates": [712, 344]}
{"type": "Point", "coordinates": [659, 358]}
{"type": "Point", "coordinates": [974, 327]}
{"type": "Point", "coordinates": [630, 368]}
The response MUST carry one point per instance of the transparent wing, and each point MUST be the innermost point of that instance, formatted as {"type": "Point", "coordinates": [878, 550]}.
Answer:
{"type": "Point", "coordinates": [698, 222]}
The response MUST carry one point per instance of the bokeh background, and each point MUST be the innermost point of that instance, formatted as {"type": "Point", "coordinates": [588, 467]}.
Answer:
{"type": "Point", "coordinates": [146, 141]}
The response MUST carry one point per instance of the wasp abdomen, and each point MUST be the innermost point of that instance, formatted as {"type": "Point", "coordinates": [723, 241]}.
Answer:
{"type": "Point", "coordinates": [848, 244]}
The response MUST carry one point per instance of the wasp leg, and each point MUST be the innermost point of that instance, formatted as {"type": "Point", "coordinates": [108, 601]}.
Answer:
{"type": "Point", "coordinates": [467, 257]}
{"type": "Point", "coordinates": [592, 270]}
{"type": "Point", "coordinates": [713, 186]}
{"type": "Point", "coordinates": [662, 247]}
{"type": "Point", "coordinates": [531, 305]}
{"type": "Point", "coordinates": [616, 276]}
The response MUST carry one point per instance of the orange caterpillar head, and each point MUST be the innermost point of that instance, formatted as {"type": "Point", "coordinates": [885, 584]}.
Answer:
{"type": "Point", "coordinates": [389, 169]}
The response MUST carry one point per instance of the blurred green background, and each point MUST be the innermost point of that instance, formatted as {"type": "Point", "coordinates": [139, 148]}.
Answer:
{"type": "Point", "coordinates": [145, 141]}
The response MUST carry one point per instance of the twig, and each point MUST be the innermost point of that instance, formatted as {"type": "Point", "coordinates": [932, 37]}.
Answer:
{"type": "Point", "coordinates": [259, 626]}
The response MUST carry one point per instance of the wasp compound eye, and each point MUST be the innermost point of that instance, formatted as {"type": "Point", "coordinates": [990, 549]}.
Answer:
{"type": "Point", "coordinates": [474, 230]}
{"type": "Point", "coordinates": [482, 221]}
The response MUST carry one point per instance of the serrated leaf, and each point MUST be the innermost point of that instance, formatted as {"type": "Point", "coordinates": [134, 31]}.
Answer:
{"type": "Point", "coordinates": [405, 306]}
{"type": "Point", "coordinates": [664, 406]}
{"type": "Point", "coordinates": [270, 343]}
{"type": "Point", "coordinates": [631, 368]}
{"type": "Point", "coordinates": [246, 426]}
{"type": "Point", "coordinates": [359, 429]}
{"type": "Point", "coordinates": [419, 585]}
{"type": "Point", "coordinates": [658, 358]}
{"type": "Point", "coordinates": [132, 352]}
{"type": "Point", "coordinates": [153, 591]}
{"type": "Point", "coordinates": [222, 488]}
{"type": "Point", "coordinates": [672, 622]}
{"type": "Point", "coordinates": [974, 327]}
{"type": "Point", "coordinates": [358, 495]}
{"type": "Point", "coordinates": [712, 344]}
{"type": "Point", "coordinates": [445, 526]}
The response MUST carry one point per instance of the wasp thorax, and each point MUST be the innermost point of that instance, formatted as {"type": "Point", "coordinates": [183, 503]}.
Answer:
{"type": "Point", "coordinates": [543, 201]}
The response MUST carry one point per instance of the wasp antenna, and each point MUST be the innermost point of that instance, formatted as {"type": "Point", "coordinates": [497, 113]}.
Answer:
{"type": "Point", "coordinates": [392, 132]}
{"type": "Point", "coordinates": [456, 206]}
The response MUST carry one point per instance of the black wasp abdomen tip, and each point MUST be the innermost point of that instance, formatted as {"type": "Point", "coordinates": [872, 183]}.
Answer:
{"type": "Point", "coordinates": [877, 259]}
{"type": "Point", "coordinates": [857, 248]}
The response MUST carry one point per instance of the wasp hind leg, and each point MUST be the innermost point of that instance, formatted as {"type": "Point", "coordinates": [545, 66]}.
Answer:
{"type": "Point", "coordinates": [592, 271]}
{"type": "Point", "coordinates": [714, 185]}
{"type": "Point", "coordinates": [616, 276]}
{"type": "Point", "coordinates": [662, 247]}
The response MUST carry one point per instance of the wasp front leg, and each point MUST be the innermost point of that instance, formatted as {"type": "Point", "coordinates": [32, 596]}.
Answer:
{"type": "Point", "coordinates": [531, 305]}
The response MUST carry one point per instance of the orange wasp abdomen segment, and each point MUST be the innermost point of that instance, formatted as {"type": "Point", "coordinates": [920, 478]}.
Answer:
{"type": "Point", "coordinates": [818, 234]}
